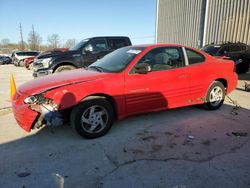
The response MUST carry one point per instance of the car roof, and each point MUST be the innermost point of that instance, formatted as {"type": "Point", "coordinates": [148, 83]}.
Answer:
{"type": "Point", "coordinates": [158, 45]}
{"type": "Point", "coordinates": [107, 37]}
{"type": "Point", "coordinates": [226, 43]}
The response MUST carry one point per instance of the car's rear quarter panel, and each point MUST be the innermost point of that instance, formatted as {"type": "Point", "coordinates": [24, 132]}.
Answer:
{"type": "Point", "coordinates": [204, 74]}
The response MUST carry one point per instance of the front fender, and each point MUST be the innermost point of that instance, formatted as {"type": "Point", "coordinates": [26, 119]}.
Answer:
{"type": "Point", "coordinates": [70, 95]}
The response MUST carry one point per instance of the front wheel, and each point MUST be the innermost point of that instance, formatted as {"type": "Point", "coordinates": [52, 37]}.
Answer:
{"type": "Point", "coordinates": [215, 96]}
{"type": "Point", "coordinates": [92, 118]}
{"type": "Point", "coordinates": [30, 66]}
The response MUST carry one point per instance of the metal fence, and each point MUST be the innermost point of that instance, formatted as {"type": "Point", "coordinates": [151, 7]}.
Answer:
{"type": "Point", "coordinates": [199, 22]}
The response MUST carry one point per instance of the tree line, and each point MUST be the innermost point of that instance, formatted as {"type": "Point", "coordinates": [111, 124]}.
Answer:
{"type": "Point", "coordinates": [34, 43]}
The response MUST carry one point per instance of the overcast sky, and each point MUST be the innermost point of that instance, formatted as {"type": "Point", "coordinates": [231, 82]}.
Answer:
{"type": "Point", "coordinates": [79, 19]}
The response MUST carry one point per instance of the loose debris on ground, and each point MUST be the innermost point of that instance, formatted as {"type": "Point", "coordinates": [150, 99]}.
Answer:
{"type": "Point", "coordinates": [240, 134]}
{"type": "Point", "coordinates": [236, 106]}
{"type": "Point", "coordinates": [247, 87]}
{"type": "Point", "coordinates": [5, 111]}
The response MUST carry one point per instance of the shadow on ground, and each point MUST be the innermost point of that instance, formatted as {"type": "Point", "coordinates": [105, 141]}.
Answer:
{"type": "Point", "coordinates": [187, 137]}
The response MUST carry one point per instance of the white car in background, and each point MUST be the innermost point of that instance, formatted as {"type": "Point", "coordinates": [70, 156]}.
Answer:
{"type": "Point", "coordinates": [19, 57]}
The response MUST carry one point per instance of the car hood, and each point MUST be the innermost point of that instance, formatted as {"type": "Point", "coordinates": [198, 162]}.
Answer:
{"type": "Point", "coordinates": [49, 82]}
{"type": "Point", "coordinates": [55, 54]}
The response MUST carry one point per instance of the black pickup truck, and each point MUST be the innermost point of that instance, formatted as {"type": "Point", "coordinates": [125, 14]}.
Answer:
{"type": "Point", "coordinates": [83, 54]}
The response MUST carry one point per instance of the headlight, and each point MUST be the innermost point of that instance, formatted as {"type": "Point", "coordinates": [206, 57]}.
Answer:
{"type": "Point", "coordinates": [30, 100]}
{"type": "Point", "coordinates": [44, 63]}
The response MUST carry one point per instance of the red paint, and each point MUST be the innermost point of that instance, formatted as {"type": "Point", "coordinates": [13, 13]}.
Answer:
{"type": "Point", "coordinates": [28, 61]}
{"type": "Point", "coordinates": [132, 93]}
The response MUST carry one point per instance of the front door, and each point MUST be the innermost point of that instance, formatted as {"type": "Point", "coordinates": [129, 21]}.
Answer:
{"type": "Point", "coordinates": [165, 86]}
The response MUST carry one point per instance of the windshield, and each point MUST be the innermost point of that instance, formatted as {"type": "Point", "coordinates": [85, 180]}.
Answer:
{"type": "Point", "coordinates": [117, 60]}
{"type": "Point", "coordinates": [212, 50]}
{"type": "Point", "coordinates": [79, 45]}
{"type": "Point", "coordinates": [27, 53]}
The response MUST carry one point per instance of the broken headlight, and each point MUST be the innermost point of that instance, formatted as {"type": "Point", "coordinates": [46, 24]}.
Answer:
{"type": "Point", "coordinates": [39, 102]}
{"type": "Point", "coordinates": [30, 100]}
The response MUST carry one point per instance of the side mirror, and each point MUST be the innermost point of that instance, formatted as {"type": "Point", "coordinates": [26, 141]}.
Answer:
{"type": "Point", "coordinates": [142, 68]}
{"type": "Point", "coordinates": [88, 49]}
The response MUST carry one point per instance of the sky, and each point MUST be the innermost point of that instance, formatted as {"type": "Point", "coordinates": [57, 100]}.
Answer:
{"type": "Point", "coordinates": [79, 19]}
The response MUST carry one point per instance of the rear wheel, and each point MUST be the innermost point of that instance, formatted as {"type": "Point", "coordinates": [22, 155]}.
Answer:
{"type": "Point", "coordinates": [92, 118]}
{"type": "Point", "coordinates": [64, 68]}
{"type": "Point", "coordinates": [215, 96]}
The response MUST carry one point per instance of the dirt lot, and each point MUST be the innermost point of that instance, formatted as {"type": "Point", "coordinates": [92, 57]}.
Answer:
{"type": "Point", "coordinates": [181, 148]}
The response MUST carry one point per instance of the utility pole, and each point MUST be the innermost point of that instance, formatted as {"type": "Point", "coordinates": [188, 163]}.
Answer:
{"type": "Point", "coordinates": [21, 34]}
{"type": "Point", "coordinates": [33, 39]}
{"type": "Point", "coordinates": [33, 32]}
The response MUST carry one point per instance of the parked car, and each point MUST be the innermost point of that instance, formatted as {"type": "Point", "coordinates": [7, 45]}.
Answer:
{"type": "Point", "coordinates": [128, 81]}
{"type": "Point", "coordinates": [29, 61]}
{"type": "Point", "coordinates": [238, 52]}
{"type": "Point", "coordinates": [83, 54]}
{"type": "Point", "coordinates": [5, 60]}
{"type": "Point", "coordinates": [19, 57]}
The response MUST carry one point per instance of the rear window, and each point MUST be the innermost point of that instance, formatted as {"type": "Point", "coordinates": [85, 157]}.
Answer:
{"type": "Point", "coordinates": [194, 57]}
{"type": "Point", "coordinates": [27, 53]}
{"type": "Point", "coordinates": [234, 48]}
{"type": "Point", "coordinates": [117, 43]}
{"type": "Point", "coordinates": [212, 50]}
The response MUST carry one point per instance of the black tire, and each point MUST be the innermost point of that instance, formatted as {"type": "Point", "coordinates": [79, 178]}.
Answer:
{"type": "Point", "coordinates": [243, 67]}
{"type": "Point", "coordinates": [82, 120]}
{"type": "Point", "coordinates": [30, 67]}
{"type": "Point", "coordinates": [215, 87]}
{"type": "Point", "coordinates": [64, 68]}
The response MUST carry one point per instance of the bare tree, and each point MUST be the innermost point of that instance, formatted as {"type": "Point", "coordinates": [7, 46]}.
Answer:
{"type": "Point", "coordinates": [5, 42]}
{"type": "Point", "coordinates": [21, 45]}
{"type": "Point", "coordinates": [54, 41]}
{"type": "Point", "coordinates": [70, 43]}
{"type": "Point", "coordinates": [34, 40]}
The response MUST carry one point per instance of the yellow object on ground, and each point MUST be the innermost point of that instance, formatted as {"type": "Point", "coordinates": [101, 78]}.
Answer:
{"type": "Point", "coordinates": [12, 86]}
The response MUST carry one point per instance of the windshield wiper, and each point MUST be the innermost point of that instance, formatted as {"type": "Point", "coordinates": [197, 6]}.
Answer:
{"type": "Point", "coordinates": [100, 69]}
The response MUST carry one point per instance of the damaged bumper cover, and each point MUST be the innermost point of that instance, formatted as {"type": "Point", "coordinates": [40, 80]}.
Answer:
{"type": "Point", "coordinates": [35, 111]}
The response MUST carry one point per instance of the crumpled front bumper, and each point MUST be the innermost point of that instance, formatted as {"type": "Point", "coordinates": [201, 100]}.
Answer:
{"type": "Point", "coordinates": [25, 117]}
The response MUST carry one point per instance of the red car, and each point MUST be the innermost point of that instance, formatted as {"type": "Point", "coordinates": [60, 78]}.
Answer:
{"type": "Point", "coordinates": [28, 63]}
{"type": "Point", "coordinates": [128, 81]}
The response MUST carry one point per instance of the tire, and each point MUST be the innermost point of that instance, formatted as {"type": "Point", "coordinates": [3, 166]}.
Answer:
{"type": "Point", "coordinates": [243, 67]}
{"type": "Point", "coordinates": [213, 102]}
{"type": "Point", "coordinates": [95, 125]}
{"type": "Point", "coordinates": [21, 63]}
{"type": "Point", "coordinates": [30, 66]}
{"type": "Point", "coordinates": [64, 68]}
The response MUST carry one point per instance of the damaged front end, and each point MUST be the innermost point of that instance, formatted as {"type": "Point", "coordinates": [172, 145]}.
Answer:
{"type": "Point", "coordinates": [47, 110]}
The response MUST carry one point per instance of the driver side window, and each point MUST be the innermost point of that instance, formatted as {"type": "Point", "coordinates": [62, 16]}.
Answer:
{"type": "Point", "coordinates": [98, 45]}
{"type": "Point", "coordinates": [163, 58]}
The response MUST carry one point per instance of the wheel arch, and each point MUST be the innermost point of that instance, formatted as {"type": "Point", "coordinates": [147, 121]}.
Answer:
{"type": "Point", "coordinates": [109, 98]}
{"type": "Point", "coordinates": [223, 81]}
{"type": "Point", "coordinates": [63, 64]}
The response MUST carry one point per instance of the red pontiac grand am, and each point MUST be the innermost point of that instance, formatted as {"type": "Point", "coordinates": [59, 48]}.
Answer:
{"type": "Point", "coordinates": [128, 81]}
